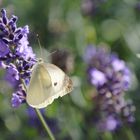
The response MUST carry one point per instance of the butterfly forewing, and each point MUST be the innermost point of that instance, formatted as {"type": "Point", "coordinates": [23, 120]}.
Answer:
{"type": "Point", "coordinates": [40, 80]}
{"type": "Point", "coordinates": [47, 83]}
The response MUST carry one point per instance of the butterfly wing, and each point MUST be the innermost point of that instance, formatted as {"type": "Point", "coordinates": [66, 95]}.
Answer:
{"type": "Point", "coordinates": [40, 80]}
{"type": "Point", "coordinates": [47, 83]}
{"type": "Point", "coordinates": [61, 83]}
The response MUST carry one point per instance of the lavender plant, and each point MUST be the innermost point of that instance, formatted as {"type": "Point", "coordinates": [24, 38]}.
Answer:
{"type": "Point", "coordinates": [112, 78]}
{"type": "Point", "coordinates": [17, 58]}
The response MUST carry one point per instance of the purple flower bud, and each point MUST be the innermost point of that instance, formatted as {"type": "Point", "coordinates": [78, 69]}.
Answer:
{"type": "Point", "coordinates": [118, 65]}
{"type": "Point", "coordinates": [18, 30]}
{"type": "Point", "coordinates": [25, 30]}
{"type": "Point", "coordinates": [111, 123]}
{"type": "Point", "coordinates": [14, 18]}
{"type": "Point", "coordinates": [5, 40]}
{"type": "Point", "coordinates": [4, 17]}
{"type": "Point", "coordinates": [24, 50]}
{"type": "Point", "coordinates": [2, 27]}
{"type": "Point", "coordinates": [89, 53]}
{"type": "Point", "coordinates": [97, 77]}
{"type": "Point", "coordinates": [2, 65]}
{"type": "Point", "coordinates": [12, 75]}
{"type": "Point", "coordinates": [11, 36]}
{"type": "Point", "coordinates": [5, 20]}
{"type": "Point", "coordinates": [15, 101]}
{"type": "Point", "coordinates": [4, 49]}
{"type": "Point", "coordinates": [3, 11]}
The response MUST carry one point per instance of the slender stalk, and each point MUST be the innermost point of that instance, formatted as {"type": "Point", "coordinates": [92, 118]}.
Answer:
{"type": "Point", "coordinates": [41, 118]}
{"type": "Point", "coordinates": [106, 136]}
{"type": "Point", "coordinates": [44, 124]}
{"type": "Point", "coordinates": [129, 133]}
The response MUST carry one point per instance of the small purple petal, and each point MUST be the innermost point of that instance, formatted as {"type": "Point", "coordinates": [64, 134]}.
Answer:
{"type": "Point", "coordinates": [111, 123]}
{"type": "Point", "coordinates": [3, 11]}
{"type": "Point", "coordinates": [24, 50]}
{"type": "Point", "coordinates": [25, 30]}
{"type": "Point", "coordinates": [118, 65]}
{"type": "Point", "coordinates": [2, 65]}
{"type": "Point", "coordinates": [12, 75]}
{"type": "Point", "coordinates": [4, 50]}
{"type": "Point", "coordinates": [97, 77]}
{"type": "Point", "coordinates": [89, 53]}
{"type": "Point", "coordinates": [15, 101]}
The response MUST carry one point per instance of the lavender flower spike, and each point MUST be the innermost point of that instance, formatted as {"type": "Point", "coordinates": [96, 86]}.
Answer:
{"type": "Point", "coordinates": [111, 77]}
{"type": "Point", "coordinates": [16, 56]}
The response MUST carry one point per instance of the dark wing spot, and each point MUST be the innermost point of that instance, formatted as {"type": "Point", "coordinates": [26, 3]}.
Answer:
{"type": "Point", "coordinates": [55, 83]}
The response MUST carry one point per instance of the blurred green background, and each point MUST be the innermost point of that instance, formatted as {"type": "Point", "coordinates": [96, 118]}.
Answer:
{"type": "Point", "coordinates": [72, 25]}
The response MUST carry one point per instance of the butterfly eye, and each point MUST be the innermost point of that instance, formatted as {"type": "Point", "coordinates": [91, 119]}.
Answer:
{"type": "Point", "coordinates": [55, 83]}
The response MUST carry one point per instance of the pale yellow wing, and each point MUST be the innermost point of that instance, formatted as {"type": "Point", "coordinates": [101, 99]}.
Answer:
{"type": "Point", "coordinates": [60, 81]}
{"type": "Point", "coordinates": [61, 84]}
{"type": "Point", "coordinates": [40, 80]}
{"type": "Point", "coordinates": [47, 83]}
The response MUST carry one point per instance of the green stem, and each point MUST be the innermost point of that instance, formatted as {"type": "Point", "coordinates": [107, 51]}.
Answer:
{"type": "Point", "coordinates": [129, 134]}
{"type": "Point", "coordinates": [107, 136]}
{"type": "Point", "coordinates": [45, 124]}
{"type": "Point", "coordinates": [41, 118]}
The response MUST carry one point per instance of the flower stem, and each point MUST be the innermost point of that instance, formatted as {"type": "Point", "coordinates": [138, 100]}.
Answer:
{"type": "Point", "coordinates": [45, 124]}
{"type": "Point", "coordinates": [129, 134]}
{"type": "Point", "coordinates": [42, 118]}
{"type": "Point", "coordinates": [107, 136]}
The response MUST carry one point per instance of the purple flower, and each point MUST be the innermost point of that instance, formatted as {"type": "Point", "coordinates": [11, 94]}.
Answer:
{"type": "Point", "coordinates": [97, 77]}
{"type": "Point", "coordinates": [111, 123]}
{"type": "Point", "coordinates": [107, 70]}
{"type": "Point", "coordinates": [2, 65]}
{"type": "Point", "coordinates": [15, 101]}
{"type": "Point", "coordinates": [89, 53]}
{"type": "Point", "coordinates": [18, 96]}
{"type": "Point", "coordinates": [111, 77]}
{"type": "Point", "coordinates": [24, 50]}
{"type": "Point", "coordinates": [108, 124]}
{"type": "Point", "coordinates": [16, 56]}
{"type": "Point", "coordinates": [12, 74]}
{"type": "Point", "coordinates": [118, 65]}
{"type": "Point", "coordinates": [4, 49]}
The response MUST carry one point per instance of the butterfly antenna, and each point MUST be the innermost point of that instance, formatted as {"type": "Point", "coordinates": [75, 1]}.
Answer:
{"type": "Point", "coordinates": [52, 53]}
{"type": "Point", "coordinates": [39, 45]}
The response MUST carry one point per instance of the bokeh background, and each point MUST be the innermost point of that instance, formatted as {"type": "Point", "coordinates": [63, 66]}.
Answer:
{"type": "Point", "coordinates": [69, 26]}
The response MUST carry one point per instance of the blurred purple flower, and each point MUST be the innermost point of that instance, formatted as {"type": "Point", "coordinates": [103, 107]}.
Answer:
{"type": "Point", "coordinates": [91, 7]}
{"type": "Point", "coordinates": [97, 77]}
{"type": "Point", "coordinates": [89, 53]}
{"type": "Point", "coordinates": [107, 70]}
{"type": "Point", "coordinates": [118, 65]}
{"type": "Point", "coordinates": [111, 123]}
{"type": "Point", "coordinates": [111, 77]}
{"type": "Point", "coordinates": [108, 124]}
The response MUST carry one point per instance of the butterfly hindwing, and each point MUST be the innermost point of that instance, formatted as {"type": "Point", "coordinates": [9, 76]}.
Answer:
{"type": "Point", "coordinates": [60, 81]}
{"type": "Point", "coordinates": [47, 83]}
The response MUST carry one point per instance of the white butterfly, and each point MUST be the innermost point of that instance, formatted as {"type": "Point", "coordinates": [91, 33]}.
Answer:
{"type": "Point", "coordinates": [47, 83]}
